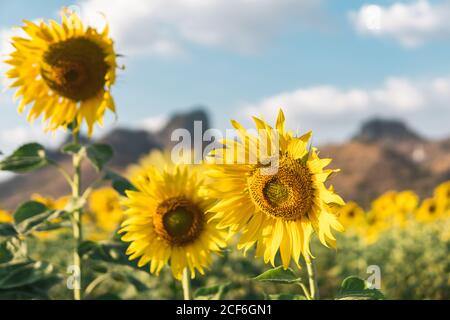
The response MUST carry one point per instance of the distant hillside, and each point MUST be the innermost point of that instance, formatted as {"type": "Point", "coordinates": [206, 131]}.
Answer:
{"type": "Point", "coordinates": [129, 146]}
{"type": "Point", "coordinates": [383, 155]}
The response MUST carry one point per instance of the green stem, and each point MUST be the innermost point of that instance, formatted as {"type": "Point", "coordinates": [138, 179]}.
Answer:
{"type": "Point", "coordinates": [305, 291]}
{"type": "Point", "coordinates": [186, 283]}
{"type": "Point", "coordinates": [313, 287]}
{"type": "Point", "coordinates": [76, 219]}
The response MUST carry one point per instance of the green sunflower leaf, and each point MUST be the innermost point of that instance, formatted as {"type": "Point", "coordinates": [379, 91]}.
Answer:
{"type": "Point", "coordinates": [27, 158]}
{"type": "Point", "coordinates": [110, 252]}
{"type": "Point", "coordinates": [71, 148]}
{"type": "Point", "coordinates": [5, 252]}
{"type": "Point", "coordinates": [31, 215]}
{"type": "Point", "coordinates": [7, 230]}
{"type": "Point", "coordinates": [20, 274]}
{"type": "Point", "coordinates": [99, 155]}
{"type": "Point", "coordinates": [278, 275]}
{"type": "Point", "coordinates": [215, 292]}
{"type": "Point", "coordinates": [119, 183]}
{"type": "Point", "coordinates": [354, 288]}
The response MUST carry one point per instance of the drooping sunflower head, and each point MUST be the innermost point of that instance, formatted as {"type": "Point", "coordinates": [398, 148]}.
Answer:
{"type": "Point", "coordinates": [64, 71]}
{"type": "Point", "coordinates": [272, 187]}
{"type": "Point", "coordinates": [168, 221]}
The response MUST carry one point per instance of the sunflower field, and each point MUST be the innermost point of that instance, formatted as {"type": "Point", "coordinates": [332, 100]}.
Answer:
{"type": "Point", "coordinates": [257, 219]}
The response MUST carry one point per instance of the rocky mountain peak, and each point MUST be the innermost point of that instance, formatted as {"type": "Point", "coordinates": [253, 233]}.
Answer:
{"type": "Point", "coordinates": [386, 130]}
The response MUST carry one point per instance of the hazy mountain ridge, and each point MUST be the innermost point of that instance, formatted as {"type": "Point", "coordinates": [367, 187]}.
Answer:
{"type": "Point", "coordinates": [383, 155]}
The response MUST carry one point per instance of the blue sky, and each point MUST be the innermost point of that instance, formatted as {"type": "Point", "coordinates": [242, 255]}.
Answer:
{"type": "Point", "coordinates": [313, 58]}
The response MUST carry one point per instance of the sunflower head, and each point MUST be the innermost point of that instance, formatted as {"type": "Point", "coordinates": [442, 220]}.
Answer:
{"type": "Point", "coordinates": [352, 216]}
{"type": "Point", "coordinates": [430, 210]}
{"type": "Point", "coordinates": [105, 212]}
{"type": "Point", "coordinates": [278, 199]}
{"type": "Point", "coordinates": [64, 71]}
{"type": "Point", "coordinates": [168, 220]}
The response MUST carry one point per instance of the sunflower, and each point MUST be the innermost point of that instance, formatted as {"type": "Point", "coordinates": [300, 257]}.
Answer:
{"type": "Point", "coordinates": [52, 204]}
{"type": "Point", "coordinates": [429, 210]}
{"type": "Point", "coordinates": [65, 71]}
{"type": "Point", "coordinates": [442, 195]}
{"type": "Point", "coordinates": [278, 206]}
{"type": "Point", "coordinates": [105, 213]}
{"type": "Point", "coordinates": [168, 218]}
{"type": "Point", "coordinates": [155, 158]}
{"type": "Point", "coordinates": [351, 215]}
{"type": "Point", "coordinates": [5, 217]}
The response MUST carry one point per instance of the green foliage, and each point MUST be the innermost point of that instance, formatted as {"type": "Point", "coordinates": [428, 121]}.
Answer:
{"type": "Point", "coordinates": [278, 275]}
{"type": "Point", "coordinates": [99, 155]}
{"type": "Point", "coordinates": [71, 148]}
{"type": "Point", "coordinates": [215, 292]}
{"type": "Point", "coordinates": [110, 252]}
{"type": "Point", "coordinates": [31, 215]}
{"type": "Point", "coordinates": [119, 183]}
{"type": "Point", "coordinates": [26, 280]}
{"type": "Point", "coordinates": [7, 230]}
{"type": "Point", "coordinates": [27, 158]}
{"type": "Point", "coordinates": [354, 288]}
{"type": "Point", "coordinates": [414, 262]}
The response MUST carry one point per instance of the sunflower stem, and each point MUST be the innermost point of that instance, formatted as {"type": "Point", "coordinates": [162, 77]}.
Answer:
{"type": "Point", "coordinates": [313, 287]}
{"type": "Point", "coordinates": [186, 283]}
{"type": "Point", "coordinates": [76, 220]}
{"type": "Point", "coordinates": [305, 291]}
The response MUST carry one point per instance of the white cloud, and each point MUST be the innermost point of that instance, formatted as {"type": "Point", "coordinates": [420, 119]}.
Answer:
{"type": "Point", "coordinates": [167, 26]}
{"type": "Point", "coordinates": [12, 138]}
{"type": "Point", "coordinates": [411, 24]}
{"type": "Point", "coordinates": [335, 112]}
{"type": "Point", "coordinates": [154, 124]}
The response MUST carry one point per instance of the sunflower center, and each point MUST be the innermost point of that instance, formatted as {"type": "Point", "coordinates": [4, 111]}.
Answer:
{"type": "Point", "coordinates": [432, 208]}
{"type": "Point", "coordinates": [275, 192]}
{"type": "Point", "coordinates": [178, 221]}
{"type": "Point", "coordinates": [75, 68]}
{"type": "Point", "coordinates": [288, 194]}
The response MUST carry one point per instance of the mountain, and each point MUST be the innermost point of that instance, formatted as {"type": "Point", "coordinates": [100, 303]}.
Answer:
{"type": "Point", "coordinates": [383, 155]}
{"type": "Point", "coordinates": [386, 131]}
{"type": "Point", "coordinates": [388, 155]}
{"type": "Point", "coordinates": [129, 146]}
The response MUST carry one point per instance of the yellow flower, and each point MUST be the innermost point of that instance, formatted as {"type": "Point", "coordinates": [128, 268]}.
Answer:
{"type": "Point", "coordinates": [429, 210]}
{"type": "Point", "coordinates": [352, 216]}
{"type": "Point", "coordinates": [105, 212]}
{"type": "Point", "coordinates": [5, 217]}
{"type": "Point", "coordinates": [394, 207]}
{"type": "Point", "coordinates": [168, 218]}
{"type": "Point", "coordinates": [442, 195]}
{"type": "Point", "coordinates": [65, 71]}
{"type": "Point", "coordinates": [155, 158]}
{"type": "Point", "coordinates": [278, 206]}
{"type": "Point", "coordinates": [52, 204]}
